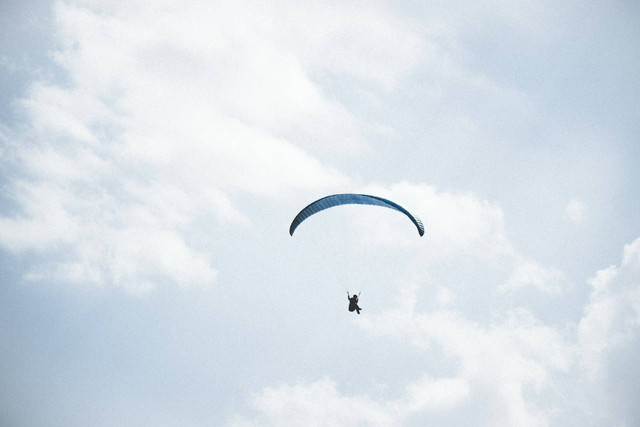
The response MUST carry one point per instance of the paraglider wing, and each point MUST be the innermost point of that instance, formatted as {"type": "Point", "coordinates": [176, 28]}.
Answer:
{"type": "Point", "coordinates": [351, 199]}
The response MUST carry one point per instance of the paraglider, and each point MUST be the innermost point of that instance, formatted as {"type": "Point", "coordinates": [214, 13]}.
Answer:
{"type": "Point", "coordinates": [351, 199]}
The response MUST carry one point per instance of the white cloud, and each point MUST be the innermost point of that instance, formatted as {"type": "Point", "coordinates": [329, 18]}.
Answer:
{"type": "Point", "coordinates": [575, 211]}
{"type": "Point", "coordinates": [170, 113]}
{"type": "Point", "coordinates": [164, 120]}
{"type": "Point", "coordinates": [454, 223]}
{"type": "Point", "coordinates": [320, 403]}
{"type": "Point", "coordinates": [379, 46]}
{"type": "Point", "coordinates": [529, 273]}
{"type": "Point", "coordinates": [445, 296]}
{"type": "Point", "coordinates": [502, 364]}
{"type": "Point", "coordinates": [611, 319]}
{"type": "Point", "coordinates": [230, 56]}
{"type": "Point", "coordinates": [459, 224]}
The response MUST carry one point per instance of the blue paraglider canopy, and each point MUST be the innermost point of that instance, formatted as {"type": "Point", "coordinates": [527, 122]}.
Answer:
{"type": "Point", "coordinates": [351, 199]}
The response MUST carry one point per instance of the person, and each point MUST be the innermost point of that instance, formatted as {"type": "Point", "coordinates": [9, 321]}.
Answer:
{"type": "Point", "coordinates": [353, 303]}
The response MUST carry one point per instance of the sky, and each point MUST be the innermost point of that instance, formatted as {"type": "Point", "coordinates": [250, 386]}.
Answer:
{"type": "Point", "coordinates": [154, 153]}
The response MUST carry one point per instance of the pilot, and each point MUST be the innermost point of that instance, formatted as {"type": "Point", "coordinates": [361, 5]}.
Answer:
{"type": "Point", "coordinates": [353, 303]}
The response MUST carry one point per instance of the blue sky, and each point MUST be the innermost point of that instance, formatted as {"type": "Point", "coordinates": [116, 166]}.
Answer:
{"type": "Point", "coordinates": [154, 154]}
